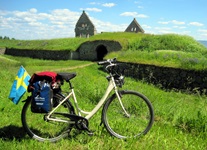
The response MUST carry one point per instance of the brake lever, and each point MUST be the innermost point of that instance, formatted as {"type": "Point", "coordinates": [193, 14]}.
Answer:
{"type": "Point", "coordinates": [109, 66]}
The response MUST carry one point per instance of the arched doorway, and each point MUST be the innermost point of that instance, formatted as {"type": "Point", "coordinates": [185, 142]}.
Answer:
{"type": "Point", "coordinates": [101, 52]}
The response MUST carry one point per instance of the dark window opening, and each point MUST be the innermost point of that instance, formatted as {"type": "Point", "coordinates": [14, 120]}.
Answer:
{"type": "Point", "coordinates": [101, 52]}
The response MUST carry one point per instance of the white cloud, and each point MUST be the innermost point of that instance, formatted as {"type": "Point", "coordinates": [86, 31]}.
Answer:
{"type": "Point", "coordinates": [137, 2]}
{"type": "Point", "coordinates": [21, 14]}
{"type": "Point", "coordinates": [196, 24]}
{"type": "Point", "coordinates": [163, 28]}
{"type": "Point", "coordinates": [202, 30]}
{"type": "Point", "coordinates": [33, 25]}
{"type": "Point", "coordinates": [94, 3]}
{"type": "Point", "coordinates": [177, 22]}
{"type": "Point", "coordinates": [102, 26]}
{"type": "Point", "coordinates": [91, 9]}
{"type": "Point", "coordinates": [172, 21]}
{"type": "Point", "coordinates": [204, 35]}
{"type": "Point", "coordinates": [3, 12]}
{"type": "Point", "coordinates": [168, 30]}
{"type": "Point", "coordinates": [33, 10]}
{"type": "Point", "coordinates": [61, 12]}
{"type": "Point", "coordinates": [58, 23]}
{"type": "Point", "coordinates": [29, 19]}
{"type": "Point", "coordinates": [146, 26]}
{"type": "Point", "coordinates": [109, 4]}
{"type": "Point", "coordinates": [163, 22]}
{"type": "Point", "coordinates": [140, 7]}
{"type": "Point", "coordinates": [179, 27]}
{"type": "Point", "coordinates": [186, 32]}
{"type": "Point", "coordinates": [133, 14]}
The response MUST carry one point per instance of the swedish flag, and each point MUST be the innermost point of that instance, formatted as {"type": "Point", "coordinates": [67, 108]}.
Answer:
{"type": "Point", "coordinates": [19, 86]}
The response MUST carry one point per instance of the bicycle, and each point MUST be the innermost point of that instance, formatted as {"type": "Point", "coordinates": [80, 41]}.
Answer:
{"type": "Point", "coordinates": [125, 114]}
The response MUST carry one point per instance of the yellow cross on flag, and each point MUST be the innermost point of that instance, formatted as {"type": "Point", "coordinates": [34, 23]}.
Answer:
{"type": "Point", "coordinates": [19, 86]}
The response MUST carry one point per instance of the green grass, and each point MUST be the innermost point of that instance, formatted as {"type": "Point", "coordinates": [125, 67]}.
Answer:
{"type": "Point", "coordinates": [166, 58]}
{"type": "Point", "coordinates": [180, 119]}
{"type": "Point", "coordinates": [129, 41]}
{"type": "Point", "coordinates": [68, 43]}
{"type": "Point", "coordinates": [53, 44]}
{"type": "Point", "coordinates": [40, 65]}
{"type": "Point", "coordinates": [170, 50]}
{"type": "Point", "coordinates": [167, 42]}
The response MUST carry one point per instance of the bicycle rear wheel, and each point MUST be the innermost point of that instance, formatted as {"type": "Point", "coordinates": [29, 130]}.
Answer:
{"type": "Point", "coordinates": [36, 126]}
{"type": "Point", "coordinates": [139, 121]}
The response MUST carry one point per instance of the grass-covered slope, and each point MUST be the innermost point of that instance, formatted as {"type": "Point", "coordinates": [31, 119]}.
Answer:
{"type": "Point", "coordinates": [180, 119]}
{"type": "Point", "coordinates": [170, 50]}
{"type": "Point", "coordinates": [132, 41]}
{"type": "Point", "coordinates": [67, 43]}
{"type": "Point", "coordinates": [53, 44]}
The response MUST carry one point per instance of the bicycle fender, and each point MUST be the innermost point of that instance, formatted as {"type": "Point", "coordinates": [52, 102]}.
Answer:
{"type": "Point", "coordinates": [28, 99]}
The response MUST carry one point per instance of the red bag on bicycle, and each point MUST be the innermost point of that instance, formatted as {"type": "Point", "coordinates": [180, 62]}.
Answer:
{"type": "Point", "coordinates": [48, 76]}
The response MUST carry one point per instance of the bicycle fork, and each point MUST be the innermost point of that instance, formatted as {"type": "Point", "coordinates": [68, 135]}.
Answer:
{"type": "Point", "coordinates": [118, 94]}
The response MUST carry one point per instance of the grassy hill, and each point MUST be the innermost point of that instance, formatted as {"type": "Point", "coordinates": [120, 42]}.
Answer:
{"type": "Point", "coordinates": [53, 44]}
{"type": "Point", "coordinates": [68, 43]}
{"type": "Point", "coordinates": [132, 41]}
{"type": "Point", "coordinates": [170, 50]}
{"type": "Point", "coordinates": [180, 119]}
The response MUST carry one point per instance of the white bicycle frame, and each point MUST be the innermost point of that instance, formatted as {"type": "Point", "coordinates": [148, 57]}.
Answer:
{"type": "Point", "coordinates": [111, 86]}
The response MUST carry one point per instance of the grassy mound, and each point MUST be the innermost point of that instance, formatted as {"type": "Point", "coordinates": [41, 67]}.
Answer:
{"type": "Point", "coordinates": [53, 44]}
{"type": "Point", "coordinates": [169, 50]}
{"type": "Point", "coordinates": [180, 119]}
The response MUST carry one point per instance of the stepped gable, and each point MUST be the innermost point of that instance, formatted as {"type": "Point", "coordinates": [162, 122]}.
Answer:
{"type": "Point", "coordinates": [84, 27]}
{"type": "Point", "coordinates": [134, 27]}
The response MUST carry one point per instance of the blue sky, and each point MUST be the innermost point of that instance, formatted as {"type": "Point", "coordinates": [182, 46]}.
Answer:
{"type": "Point", "coordinates": [48, 19]}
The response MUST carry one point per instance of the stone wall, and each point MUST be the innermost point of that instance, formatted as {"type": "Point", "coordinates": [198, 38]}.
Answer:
{"type": "Point", "coordinates": [92, 50]}
{"type": "Point", "coordinates": [168, 78]}
{"type": "Point", "coordinates": [43, 54]}
{"type": "Point", "coordinates": [2, 51]}
{"type": "Point", "coordinates": [89, 50]}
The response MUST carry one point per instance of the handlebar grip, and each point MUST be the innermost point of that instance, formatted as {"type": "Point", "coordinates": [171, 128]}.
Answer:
{"type": "Point", "coordinates": [102, 62]}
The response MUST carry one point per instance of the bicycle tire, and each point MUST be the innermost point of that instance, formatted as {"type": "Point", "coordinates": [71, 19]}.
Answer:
{"type": "Point", "coordinates": [141, 115]}
{"type": "Point", "coordinates": [41, 130]}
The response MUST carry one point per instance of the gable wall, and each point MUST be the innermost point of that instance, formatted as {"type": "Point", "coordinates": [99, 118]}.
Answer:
{"type": "Point", "coordinates": [84, 27]}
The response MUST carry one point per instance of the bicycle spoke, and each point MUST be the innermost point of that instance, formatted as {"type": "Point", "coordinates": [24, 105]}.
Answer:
{"type": "Point", "coordinates": [41, 129]}
{"type": "Point", "coordinates": [140, 119]}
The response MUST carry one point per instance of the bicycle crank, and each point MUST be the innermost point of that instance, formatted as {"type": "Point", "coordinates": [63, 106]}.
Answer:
{"type": "Point", "coordinates": [81, 123]}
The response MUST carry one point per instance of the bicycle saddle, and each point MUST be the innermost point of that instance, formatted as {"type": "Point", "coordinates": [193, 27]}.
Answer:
{"type": "Point", "coordinates": [66, 76]}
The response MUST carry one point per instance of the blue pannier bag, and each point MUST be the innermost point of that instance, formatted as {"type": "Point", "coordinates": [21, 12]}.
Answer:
{"type": "Point", "coordinates": [42, 97]}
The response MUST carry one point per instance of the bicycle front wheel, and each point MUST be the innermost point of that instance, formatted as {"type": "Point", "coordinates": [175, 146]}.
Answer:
{"type": "Point", "coordinates": [134, 120]}
{"type": "Point", "coordinates": [38, 128]}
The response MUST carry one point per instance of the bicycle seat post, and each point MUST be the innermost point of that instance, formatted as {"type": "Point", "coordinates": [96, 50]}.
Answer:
{"type": "Point", "coordinates": [70, 85]}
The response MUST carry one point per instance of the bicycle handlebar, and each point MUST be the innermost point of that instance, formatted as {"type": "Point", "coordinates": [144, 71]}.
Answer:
{"type": "Point", "coordinates": [108, 61]}
{"type": "Point", "coordinates": [111, 63]}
